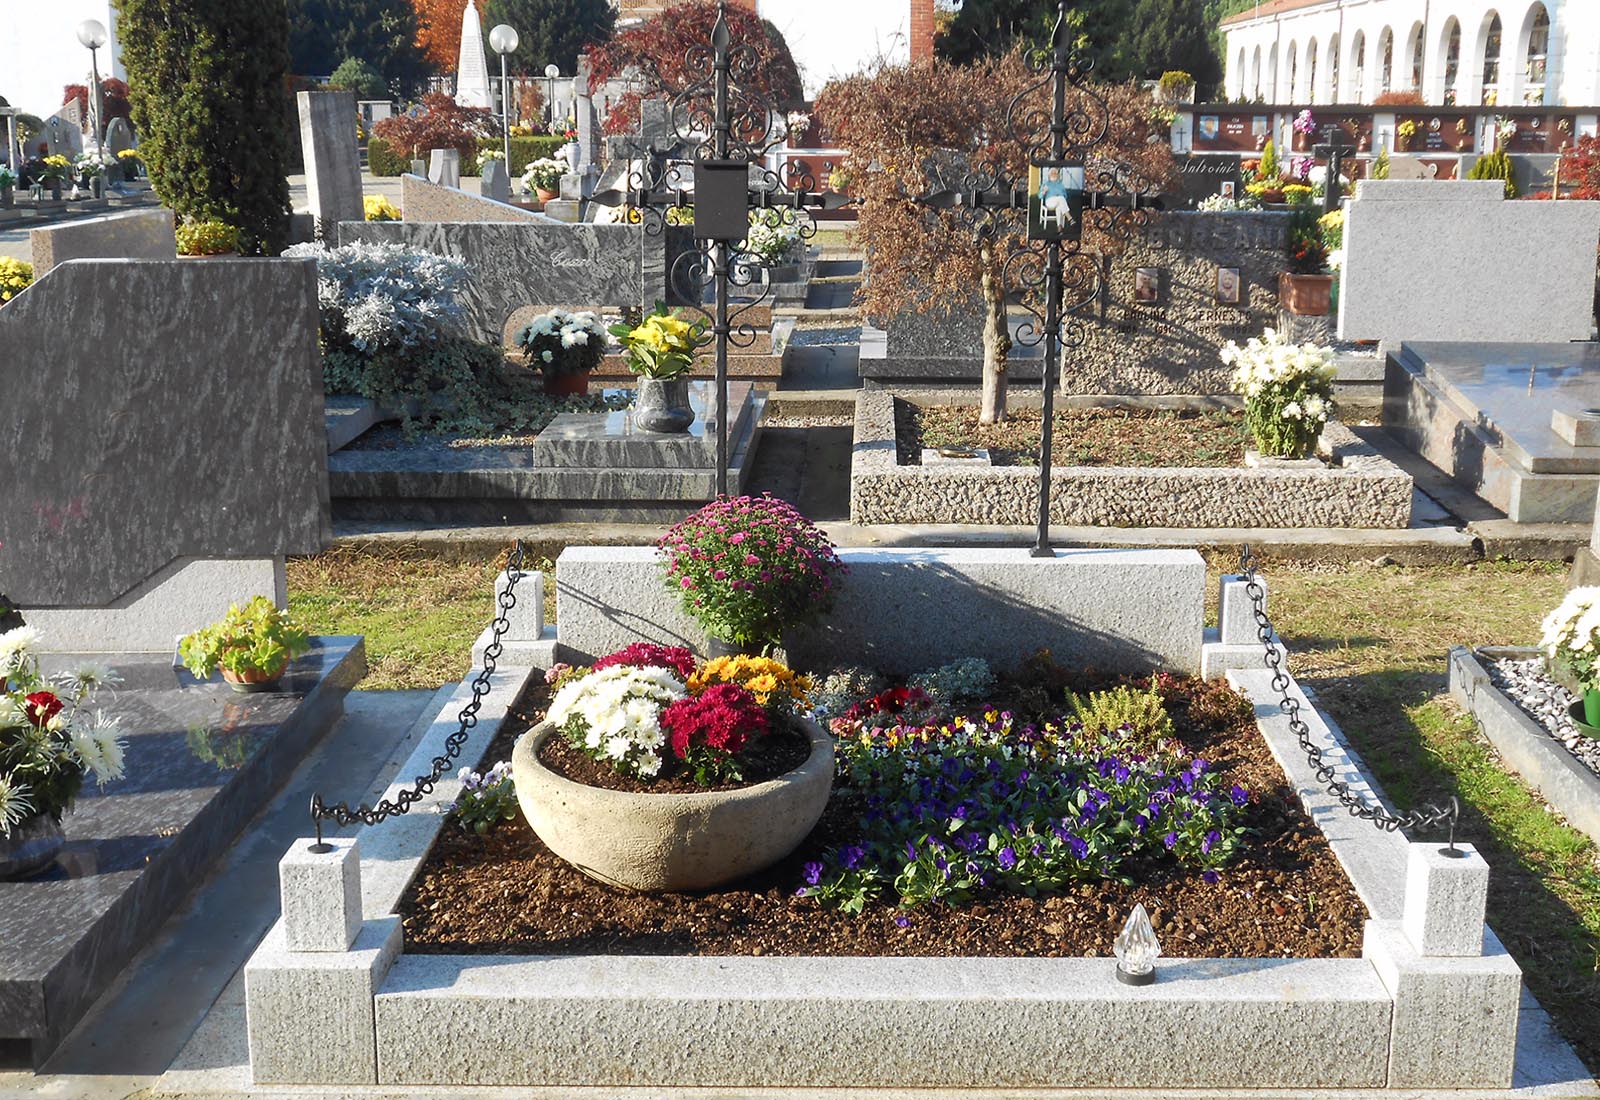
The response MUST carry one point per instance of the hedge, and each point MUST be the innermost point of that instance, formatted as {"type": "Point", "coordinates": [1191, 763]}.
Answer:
{"type": "Point", "coordinates": [383, 160]}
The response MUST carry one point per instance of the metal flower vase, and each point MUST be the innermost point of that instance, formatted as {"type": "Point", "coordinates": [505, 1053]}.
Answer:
{"type": "Point", "coordinates": [32, 846]}
{"type": "Point", "coordinates": [662, 405]}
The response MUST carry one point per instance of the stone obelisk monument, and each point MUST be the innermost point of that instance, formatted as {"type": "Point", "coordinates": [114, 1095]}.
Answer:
{"type": "Point", "coordinates": [472, 70]}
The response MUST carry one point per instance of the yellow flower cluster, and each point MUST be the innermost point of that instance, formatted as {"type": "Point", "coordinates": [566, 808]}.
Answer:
{"type": "Point", "coordinates": [58, 161]}
{"type": "Point", "coordinates": [771, 682]}
{"type": "Point", "coordinates": [127, 154]}
{"type": "Point", "coordinates": [380, 209]}
{"type": "Point", "coordinates": [15, 277]}
{"type": "Point", "coordinates": [663, 332]}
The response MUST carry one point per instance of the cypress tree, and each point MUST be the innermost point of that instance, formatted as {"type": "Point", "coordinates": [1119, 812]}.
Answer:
{"type": "Point", "coordinates": [207, 85]}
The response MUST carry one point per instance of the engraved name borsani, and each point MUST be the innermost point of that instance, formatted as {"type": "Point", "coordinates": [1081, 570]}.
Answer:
{"type": "Point", "coordinates": [571, 261]}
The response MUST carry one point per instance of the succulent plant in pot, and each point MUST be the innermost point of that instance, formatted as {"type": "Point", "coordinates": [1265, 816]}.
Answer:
{"type": "Point", "coordinates": [252, 645]}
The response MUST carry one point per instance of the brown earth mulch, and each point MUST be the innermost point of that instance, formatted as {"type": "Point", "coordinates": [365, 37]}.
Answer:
{"type": "Point", "coordinates": [1285, 896]}
{"type": "Point", "coordinates": [1082, 437]}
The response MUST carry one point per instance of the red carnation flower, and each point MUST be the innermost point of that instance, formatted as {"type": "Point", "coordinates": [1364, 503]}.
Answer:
{"type": "Point", "coordinates": [41, 706]}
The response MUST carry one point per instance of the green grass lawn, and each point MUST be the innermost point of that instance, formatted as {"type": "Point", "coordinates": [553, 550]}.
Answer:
{"type": "Point", "coordinates": [1369, 641]}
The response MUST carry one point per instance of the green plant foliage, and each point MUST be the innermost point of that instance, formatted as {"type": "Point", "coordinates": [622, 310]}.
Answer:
{"type": "Point", "coordinates": [207, 79]}
{"type": "Point", "coordinates": [551, 31]}
{"type": "Point", "coordinates": [525, 150]}
{"type": "Point", "coordinates": [255, 638]}
{"type": "Point", "coordinates": [1122, 715]}
{"type": "Point", "coordinates": [1269, 169]}
{"type": "Point", "coordinates": [355, 75]}
{"type": "Point", "coordinates": [1172, 34]}
{"type": "Point", "coordinates": [322, 33]}
{"type": "Point", "coordinates": [1380, 166]}
{"type": "Point", "coordinates": [1495, 166]}
{"type": "Point", "coordinates": [207, 238]}
{"type": "Point", "coordinates": [384, 160]}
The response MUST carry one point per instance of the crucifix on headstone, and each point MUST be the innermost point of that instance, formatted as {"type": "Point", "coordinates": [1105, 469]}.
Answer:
{"type": "Point", "coordinates": [1333, 150]}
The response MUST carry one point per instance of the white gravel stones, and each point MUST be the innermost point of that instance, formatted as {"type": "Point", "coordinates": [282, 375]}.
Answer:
{"type": "Point", "coordinates": [1526, 683]}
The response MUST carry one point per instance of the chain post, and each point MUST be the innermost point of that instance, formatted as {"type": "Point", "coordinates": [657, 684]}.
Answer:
{"type": "Point", "coordinates": [1429, 817]}
{"type": "Point", "coordinates": [341, 813]}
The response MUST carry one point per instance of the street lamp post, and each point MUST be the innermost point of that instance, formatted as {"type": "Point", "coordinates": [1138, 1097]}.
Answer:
{"type": "Point", "coordinates": [92, 35]}
{"type": "Point", "coordinates": [551, 71]}
{"type": "Point", "coordinates": [504, 40]}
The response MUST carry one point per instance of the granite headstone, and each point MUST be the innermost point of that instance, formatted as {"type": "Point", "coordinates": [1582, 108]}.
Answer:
{"type": "Point", "coordinates": [119, 136]}
{"type": "Point", "coordinates": [332, 160]}
{"type": "Point", "coordinates": [495, 183]}
{"type": "Point", "coordinates": [1200, 177]}
{"type": "Point", "coordinates": [444, 167]}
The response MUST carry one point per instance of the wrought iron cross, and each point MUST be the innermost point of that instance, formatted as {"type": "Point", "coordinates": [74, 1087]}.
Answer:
{"type": "Point", "coordinates": [732, 127]}
{"type": "Point", "coordinates": [1333, 150]}
{"type": "Point", "coordinates": [1067, 186]}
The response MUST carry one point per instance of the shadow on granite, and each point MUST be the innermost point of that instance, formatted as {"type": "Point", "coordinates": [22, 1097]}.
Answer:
{"type": "Point", "coordinates": [201, 760]}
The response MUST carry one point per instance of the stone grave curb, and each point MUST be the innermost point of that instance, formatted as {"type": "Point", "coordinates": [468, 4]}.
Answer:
{"type": "Point", "coordinates": [1365, 491]}
{"type": "Point", "coordinates": [1360, 1011]}
{"type": "Point", "coordinates": [1571, 789]}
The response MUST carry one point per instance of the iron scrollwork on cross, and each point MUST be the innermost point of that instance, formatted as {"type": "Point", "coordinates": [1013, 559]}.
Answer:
{"type": "Point", "coordinates": [1060, 121]}
{"type": "Point", "coordinates": [731, 128]}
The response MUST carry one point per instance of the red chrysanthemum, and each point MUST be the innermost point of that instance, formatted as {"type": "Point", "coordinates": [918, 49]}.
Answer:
{"type": "Point", "coordinates": [723, 716]}
{"type": "Point", "coordinates": [647, 655]}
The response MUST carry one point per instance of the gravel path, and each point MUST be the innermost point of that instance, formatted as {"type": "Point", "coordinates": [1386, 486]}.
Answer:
{"type": "Point", "coordinates": [1546, 702]}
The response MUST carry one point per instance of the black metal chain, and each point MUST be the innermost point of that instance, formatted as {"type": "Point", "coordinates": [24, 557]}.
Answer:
{"type": "Point", "coordinates": [341, 813]}
{"type": "Point", "coordinates": [1429, 817]}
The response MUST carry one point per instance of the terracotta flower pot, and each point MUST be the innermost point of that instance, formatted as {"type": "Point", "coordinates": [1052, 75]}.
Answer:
{"type": "Point", "coordinates": [1305, 295]}
{"type": "Point", "coordinates": [253, 679]}
{"type": "Point", "coordinates": [546, 196]}
{"type": "Point", "coordinates": [567, 383]}
{"type": "Point", "coordinates": [659, 842]}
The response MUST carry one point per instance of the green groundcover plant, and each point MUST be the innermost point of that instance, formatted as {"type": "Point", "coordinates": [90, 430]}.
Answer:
{"type": "Point", "coordinates": [254, 638]}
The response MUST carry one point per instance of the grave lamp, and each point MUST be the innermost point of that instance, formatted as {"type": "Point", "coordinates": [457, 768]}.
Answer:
{"type": "Point", "coordinates": [1137, 949]}
{"type": "Point", "coordinates": [504, 40]}
{"type": "Point", "coordinates": [551, 71]}
{"type": "Point", "coordinates": [92, 35]}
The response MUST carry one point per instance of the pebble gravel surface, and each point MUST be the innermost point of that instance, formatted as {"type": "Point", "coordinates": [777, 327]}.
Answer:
{"type": "Point", "coordinates": [1545, 701]}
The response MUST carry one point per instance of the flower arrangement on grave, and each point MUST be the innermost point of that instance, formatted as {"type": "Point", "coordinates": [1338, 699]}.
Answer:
{"type": "Point", "coordinates": [750, 568]}
{"type": "Point", "coordinates": [1304, 123]}
{"type": "Point", "coordinates": [376, 299]}
{"type": "Point", "coordinates": [252, 644]}
{"type": "Point", "coordinates": [1307, 254]}
{"type": "Point", "coordinates": [485, 800]}
{"type": "Point", "coordinates": [1297, 194]}
{"type": "Point", "coordinates": [775, 236]}
{"type": "Point", "coordinates": [53, 169]}
{"type": "Point", "coordinates": [129, 160]}
{"type": "Point", "coordinates": [207, 237]}
{"type": "Point", "coordinates": [49, 740]}
{"type": "Point", "coordinates": [544, 175]}
{"type": "Point", "coordinates": [1570, 638]}
{"type": "Point", "coordinates": [955, 804]}
{"type": "Point", "coordinates": [489, 155]}
{"type": "Point", "coordinates": [661, 346]}
{"type": "Point", "coordinates": [378, 208]}
{"type": "Point", "coordinates": [799, 122]}
{"type": "Point", "coordinates": [1407, 131]}
{"type": "Point", "coordinates": [1223, 204]}
{"type": "Point", "coordinates": [614, 715]}
{"type": "Point", "coordinates": [15, 277]}
{"type": "Point", "coordinates": [1332, 226]}
{"type": "Point", "coordinates": [773, 684]}
{"type": "Point", "coordinates": [87, 165]}
{"type": "Point", "coordinates": [1288, 391]}
{"type": "Point", "coordinates": [559, 343]}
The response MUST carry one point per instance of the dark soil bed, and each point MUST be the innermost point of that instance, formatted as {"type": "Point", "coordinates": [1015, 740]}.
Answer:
{"type": "Point", "coordinates": [1285, 895]}
{"type": "Point", "coordinates": [1083, 437]}
{"type": "Point", "coordinates": [784, 750]}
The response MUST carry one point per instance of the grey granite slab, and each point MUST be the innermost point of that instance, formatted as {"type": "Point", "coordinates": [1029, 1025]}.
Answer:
{"type": "Point", "coordinates": [1510, 390]}
{"type": "Point", "coordinates": [201, 760]}
{"type": "Point", "coordinates": [332, 161]}
{"type": "Point", "coordinates": [156, 409]}
{"type": "Point", "coordinates": [613, 441]}
{"type": "Point", "coordinates": [134, 235]}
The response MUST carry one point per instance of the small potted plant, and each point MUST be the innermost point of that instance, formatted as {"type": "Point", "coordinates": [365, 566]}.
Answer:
{"type": "Point", "coordinates": [543, 177]}
{"type": "Point", "coordinates": [653, 774]}
{"type": "Point", "coordinates": [1287, 389]}
{"type": "Point", "coordinates": [1304, 126]}
{"type": "Point", "coordinates": [564, 348]}
{"type": "Point", "coordinates": [1570, 638]}
{"type": "Point", "coordinates": [49, 742]}
{"type": "Point", "coordinates": [8, 185]}
{"type": "Point", "coordinates": [52, 172]}
{"type": "Point", "coordinates": [1306, 289]}
{"type": "Point", "coordinates": [1405, 134]}
{"type": "Point", "coordinates": [252, 645]}
{"type": "Point", "coordinates": [750, 568]}
{"type": "Point", "coordinates": [129, 161]}
{"type": "Point", "coordinates": [207, 237]}
{"type": "Point", "coordinates": [659, 351]}
{"type": "Point", "coordinates": [15, 277]}
{"type": "Point", "coordinates": [378, 208]}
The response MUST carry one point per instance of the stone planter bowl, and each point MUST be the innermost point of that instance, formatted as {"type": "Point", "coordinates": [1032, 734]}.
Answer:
{"type": "Point", "coordinates": [661, 842]}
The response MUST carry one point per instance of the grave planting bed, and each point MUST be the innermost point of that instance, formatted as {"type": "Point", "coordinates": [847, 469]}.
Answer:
{"type": "Point", "coordinates": [1356, 486]}
{"type": "Point", "coordinates": [1286, 894]}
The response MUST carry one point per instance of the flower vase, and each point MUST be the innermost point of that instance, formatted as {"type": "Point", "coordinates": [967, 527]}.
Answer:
{"type": "Point", "coordinates": [662, 405]}
{"type": "Point", "coordinates": [32, 846]}
{"type": "Point", "coordinates": [55, 190]}
{"type": "Point", "coordinates": [76, 193]}
{"type": "Point", "coordinates": [8, 198]}
{"type": "Point", "coordinates": [1591, 706]}
{"type": "Point", "coordinates": [130, 171]}
{"type": "Point", "coordinates": [570, 150]}
{"type": "Point", "coordinates": [97, 187]}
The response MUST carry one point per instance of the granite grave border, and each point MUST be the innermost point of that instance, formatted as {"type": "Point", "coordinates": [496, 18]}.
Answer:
{"type": "Point", "coordinates": [1390, 1020]}
{"type": "Point", "coordinates": [1362, 489]}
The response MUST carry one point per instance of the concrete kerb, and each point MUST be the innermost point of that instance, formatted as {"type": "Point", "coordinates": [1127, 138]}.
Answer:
{"type": "Point", "coordinates": [1361, 489]}
{"type": "Point", "coordinates": [1366, 1014]}
{"type": "Point", "coordinates": [1571, 789]}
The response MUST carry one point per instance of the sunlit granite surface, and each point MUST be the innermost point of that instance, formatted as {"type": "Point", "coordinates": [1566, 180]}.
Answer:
{"type": "Point", "coordinates": [201, 760]}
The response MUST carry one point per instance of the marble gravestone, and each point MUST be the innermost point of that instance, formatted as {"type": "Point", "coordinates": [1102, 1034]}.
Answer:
{"type": "Point", "coordinates": [161, 479]}
{"type": "Point", "coordinates": [444, 167]}
{"type": "Point", "coordinates": [119, 135]}
{"type": "Point", "coordinates": [495, 184]}
{"type": "Point", "coordinates": [332, 161]}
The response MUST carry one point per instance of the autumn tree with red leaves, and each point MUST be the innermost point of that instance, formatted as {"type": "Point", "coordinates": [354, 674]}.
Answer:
{"type": "Point", "coordinates": [661, 44]}
{"type": "Point", "coordinates": [898, 122]}
{"type": "Point", "coordinates": [439, 123]}
{"type": "Point", "coordinates": [439, 32]}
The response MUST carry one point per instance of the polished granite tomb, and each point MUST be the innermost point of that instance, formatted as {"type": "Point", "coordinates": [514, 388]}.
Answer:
{"type": "Point", "coordinates": [201, 760]}
{"type": "Point", "coordinates": [1515, 423]}
{"type": "Point", "coordinates": [585, 467]}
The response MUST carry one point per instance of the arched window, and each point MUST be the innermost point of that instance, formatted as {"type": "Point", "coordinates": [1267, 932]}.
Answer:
{"type": "Point", "coordinates": [1311, 71]}
{"type": "Point", "coordinates": [1358, 63]}
{"type": "Point", "coordinates": [1242, 74]}
{"type": "Point", "coordinates": [1333, 69]}
{"type": "Point", "coordinates": [1255, 74]}
{"type": "Point", "coordinates": [1491, 62]}
{"type": "Point", "coordinates": [1418, 47]}
{"type": "Point", "coordinates": [1452, 59]}
{"type": "Point", "coordinates": [1272, 74]}
{"type": "Point", "coordinates": [1386, 60]}
{"type": "Point", "coordinates": [1538, 56]}
{"type": "Point", "coordinates": [1294, 74]}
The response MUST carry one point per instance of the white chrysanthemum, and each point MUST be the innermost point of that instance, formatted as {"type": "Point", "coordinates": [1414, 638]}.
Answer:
{"type": "Point", "coordinates": [107, 736]}
{"type": "Point", "coordinates": [16, 805]}
{"type": "Point", "coordinates": [88, 677]}
{"type": "Point", "coordinates": [15, 645]}
{"type": "Point", "coordinates": [11, 713]}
